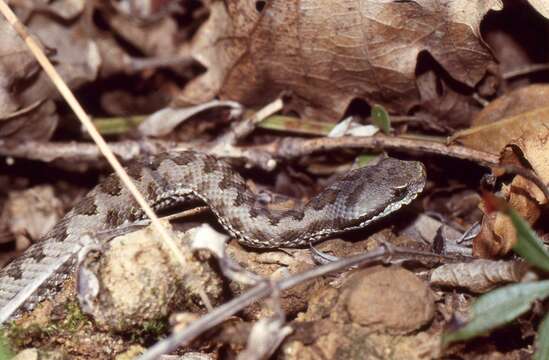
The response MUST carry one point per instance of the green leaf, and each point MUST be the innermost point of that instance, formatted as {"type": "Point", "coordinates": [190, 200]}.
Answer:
{"type": "Point", "coordinates": [5, 352]}
{"type": "Point", "coordinates": [381, 119]}
{"type": "Point", "coordinates": [542, 340]}
{"type": "Point", "coordinates": [528, 245]}
{"type": "Point", "coordinates": [117, 125]}
{"type": "Point", "coordinates": [364, 159]}
{"type": "Point", "coordinates": [499, 307]}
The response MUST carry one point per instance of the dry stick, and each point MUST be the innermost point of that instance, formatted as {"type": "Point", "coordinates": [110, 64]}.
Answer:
{"type": "Point", "coordinates": [88, 155]}
{"type": "Point", "coordinates": [525, 70]}
{"type": "Point", "coordinates": [289, 148]}
{"type": "Point", "coordinates": [258, 155]}
{"type": "Point", "coordinates": [83, 117]}
{"type": "Point", "coordinates": [82, 152]}
{"type": "Point", "coordinates": [244, 128]}
{"type": "Point", "coordinates": [264, 289]}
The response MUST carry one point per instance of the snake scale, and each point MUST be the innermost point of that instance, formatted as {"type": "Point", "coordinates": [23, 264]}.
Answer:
{"type": "Point", "coordinates": [356, 199]}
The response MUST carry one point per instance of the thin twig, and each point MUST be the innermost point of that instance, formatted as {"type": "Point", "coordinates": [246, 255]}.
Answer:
{"type": "Point", "coordinates": [186, 213]}
{"type": "Point", "coordinates": [525, 70]}
{"type": "Point", "coordinates": [290, 148]}
{"type": "Point", "coordinates": [264, 289]}
{"type": "Point", "coordinates": [245, 127]}
{"type": "Point", "coordinates": [86, 121]}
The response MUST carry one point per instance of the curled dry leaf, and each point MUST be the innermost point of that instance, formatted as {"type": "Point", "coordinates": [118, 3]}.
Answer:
{"type": "Point", "coordinates": [164, 121]}
{"type": "Point", "coordinates": [517, 126]}
{"type": "Point", "coordinates": [328, 53]}
{"type": "Point", "coordinates": [479, 276]}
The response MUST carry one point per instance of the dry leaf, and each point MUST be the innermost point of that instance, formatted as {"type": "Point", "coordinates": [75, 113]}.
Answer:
{"type": "Point", "coordinates": [152, 39]}
{"type": "Point", "coordinates": [542, 6]}
{"type": "Point", "coordinates": [16, 64]}
{"type": "Point", "coordinates": [328, 53]}
{"type": "Point", "coordinates": [520, 114]}
{"type": "Point", "coordinates": [478, 276]}
{"type": "Point", "coordinates": [75, 55]}
{"type": "Point", "coordinates": [31, 213]}
{"type": "Point", "coordinates": [519, 119]}
{"type": "Point", "coordinates": [442, 107]}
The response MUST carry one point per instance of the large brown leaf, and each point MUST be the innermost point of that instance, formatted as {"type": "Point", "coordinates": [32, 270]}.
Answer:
{"type": "Point", "coordinates": [330, 52]}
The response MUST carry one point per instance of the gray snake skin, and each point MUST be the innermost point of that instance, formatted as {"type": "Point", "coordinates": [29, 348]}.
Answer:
{"type": "Point", "coordinates": [358, 198]}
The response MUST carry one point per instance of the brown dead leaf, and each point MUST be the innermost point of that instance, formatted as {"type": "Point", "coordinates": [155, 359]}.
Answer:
{"type": "Point", "coordinates": [480, 275]}
{"type": "Point", "coordinates": [519, 114]}
{"type": "Point", "coordinates": [328, 53]}
{"type": "Point", "coordinates": [443, 108]}
{"type": "Point", "coordinates": [65, 9]}
{"type": "Point", "coordinates": [151, 39]}
{"type": "Point", "coordinates": [31, 213]}
{"type": "Point", "coordinates": [16, 64]}
{"type": "Point", "coordinates": [515, 125]}
{"type": "Point", "coordinates": [520, 195]}
{"type": "Point", "coordinates": [75, 54]}
{"type": "Point", "coordinates": [21, 119]}
{"type": "Point", "coordinates": [36, 122]}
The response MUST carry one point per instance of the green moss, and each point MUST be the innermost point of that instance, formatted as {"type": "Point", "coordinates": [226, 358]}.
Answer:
{"type": "Point", "coordinates": [23, 335]}
{"type": "Point", "coordinates": [152, 329]}
{"type": "Point", "coordinates": [27, 332]}
{"type": "Point", "coordinates": [75, 318]}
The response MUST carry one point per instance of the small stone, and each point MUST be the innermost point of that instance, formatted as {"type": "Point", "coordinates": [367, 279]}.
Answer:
{"type": "Point", "coordinates": [389, 298]}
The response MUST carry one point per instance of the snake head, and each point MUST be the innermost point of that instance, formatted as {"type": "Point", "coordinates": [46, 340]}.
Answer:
{"type": "Point", "coordinates": [375, 191]}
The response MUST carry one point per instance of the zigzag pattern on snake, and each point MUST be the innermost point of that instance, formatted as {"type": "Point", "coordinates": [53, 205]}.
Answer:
{"type": "Point", "coordinates": [353, 201]}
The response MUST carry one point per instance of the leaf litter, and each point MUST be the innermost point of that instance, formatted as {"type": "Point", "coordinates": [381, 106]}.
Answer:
{"type": "Point", "coordinates": [447, 83]}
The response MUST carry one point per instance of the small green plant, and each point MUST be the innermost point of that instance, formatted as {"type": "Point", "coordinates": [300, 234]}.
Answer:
{"type": "Point", "coordinates": [505, 304]}
{"type": "Point", "coordinates": [380, 118]}
{"type": "Point", "coordinates": [5, 352]}
{"type": "Point", "coordinates": [75, 318]}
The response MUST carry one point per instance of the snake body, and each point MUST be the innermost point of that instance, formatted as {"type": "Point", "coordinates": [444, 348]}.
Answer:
{"type": "Point", "coordinates": [353, 201]}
